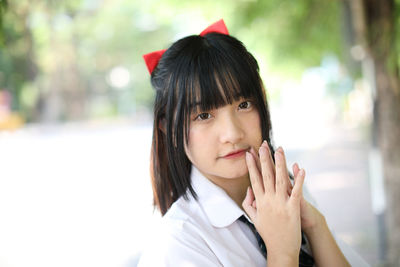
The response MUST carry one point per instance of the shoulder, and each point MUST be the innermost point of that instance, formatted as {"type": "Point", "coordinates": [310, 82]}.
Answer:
{"type": "Point", "coordinates": [181, 211]}
{"type": "Point", "coordinates": [177, 238]}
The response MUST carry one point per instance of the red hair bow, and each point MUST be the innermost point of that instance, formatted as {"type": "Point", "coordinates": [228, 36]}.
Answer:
{"type": "Point", "coordinates": [153, 58]}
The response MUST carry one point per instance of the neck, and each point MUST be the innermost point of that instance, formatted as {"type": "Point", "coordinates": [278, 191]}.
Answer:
{"type": "Point", "coordinates": [235, 188]}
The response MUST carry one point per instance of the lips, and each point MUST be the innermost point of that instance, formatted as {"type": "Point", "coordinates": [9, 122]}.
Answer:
{"type": "Point", "coordinates": [235, 154]}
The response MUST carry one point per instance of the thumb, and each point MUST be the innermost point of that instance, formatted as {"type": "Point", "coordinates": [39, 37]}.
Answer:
{"type": "Point", "coordinates": [247, 204]}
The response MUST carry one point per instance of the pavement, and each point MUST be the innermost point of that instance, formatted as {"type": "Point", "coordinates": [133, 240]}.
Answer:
{"type": "Point", "coordinates": [79, 195]}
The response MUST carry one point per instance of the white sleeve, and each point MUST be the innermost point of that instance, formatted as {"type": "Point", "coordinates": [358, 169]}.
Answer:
{"type": "Point", "coordinates": [178, 249]}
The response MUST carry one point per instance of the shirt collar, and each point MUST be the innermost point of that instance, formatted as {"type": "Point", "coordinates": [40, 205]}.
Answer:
{"type": "Point", "coordinates": [220, 209]}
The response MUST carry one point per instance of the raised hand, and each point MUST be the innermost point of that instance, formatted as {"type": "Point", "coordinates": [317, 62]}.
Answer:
{"type": "Point", "coordinates": [274, 210]}
{"type": "Point", "coordinates": [310, 216]}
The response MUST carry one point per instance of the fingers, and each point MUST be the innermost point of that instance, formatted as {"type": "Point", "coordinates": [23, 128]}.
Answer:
{"type": "Point", "coordinates": [297, 191]}
{"type": "Point", "coordinates": [296, 169]}
{"type": "Point", "coordinates": [248, 204]}
{"type": "Point", "coordinates": [270, 157]}
{"type": "Point", "coordinates": [254, 203]}
{"type": "Point", "coordinates": [255, 177]}
{"type": "Point", "coordinates": [265, 177]}
{"type": "Point", "coordinates": [282, 177]}
{"type": "Point", "coordinates": [255, 155]}
{"type": "Point", "coordinates": [267, 168]}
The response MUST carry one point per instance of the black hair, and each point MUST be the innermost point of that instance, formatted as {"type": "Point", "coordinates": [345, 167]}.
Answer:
{"type": "Point", "coordinates": [209, 71]}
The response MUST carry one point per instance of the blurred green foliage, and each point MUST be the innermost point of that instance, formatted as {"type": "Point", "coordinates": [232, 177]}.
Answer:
{"type": "Point", "coordinates": [57, 57]}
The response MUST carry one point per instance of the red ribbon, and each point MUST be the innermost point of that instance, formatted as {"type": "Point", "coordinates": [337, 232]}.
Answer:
{"type": "Point", "coordinates": [153, 58]}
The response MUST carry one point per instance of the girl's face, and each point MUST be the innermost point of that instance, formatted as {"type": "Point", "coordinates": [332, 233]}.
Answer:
{"type": "Point", "coordinates": [218, 139]}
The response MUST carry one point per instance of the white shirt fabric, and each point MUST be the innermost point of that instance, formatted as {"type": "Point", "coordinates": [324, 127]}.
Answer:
{"type": "Point", "coordinates": [207, 232]}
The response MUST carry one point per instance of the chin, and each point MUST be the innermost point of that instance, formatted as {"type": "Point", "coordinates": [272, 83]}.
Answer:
{"type": "Point", "coordinates": [236, 173]}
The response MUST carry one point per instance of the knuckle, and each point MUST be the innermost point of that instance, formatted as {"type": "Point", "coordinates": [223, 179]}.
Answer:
{"type": "Point", "coordinates": [280, 181]}
{"type": "Point", "coordinates": [295, 194]}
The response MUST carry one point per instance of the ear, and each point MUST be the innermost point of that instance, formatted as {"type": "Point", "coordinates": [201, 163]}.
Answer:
{"type": "Point", "coordinates": [162, 126]}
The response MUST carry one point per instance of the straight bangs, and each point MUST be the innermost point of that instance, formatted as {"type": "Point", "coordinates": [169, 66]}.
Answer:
{"type": "Point", "coordinates": [218, 75]}
{"type": "Point", "coordinates": [218, 84]}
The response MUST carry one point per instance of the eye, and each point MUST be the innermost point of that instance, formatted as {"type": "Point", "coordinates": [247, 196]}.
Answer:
{"type": "Point", "coordinates": [203, 116]}
{"type": "Point", "coordinates": [245, 105]}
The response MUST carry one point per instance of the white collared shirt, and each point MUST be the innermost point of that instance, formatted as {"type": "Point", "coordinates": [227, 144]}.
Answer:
{"type": "Point", "coordinates": [206, 232]}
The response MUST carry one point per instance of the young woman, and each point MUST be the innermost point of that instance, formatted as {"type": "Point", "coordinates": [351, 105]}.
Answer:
{"type": "Point", "coordinates": [225, 194]}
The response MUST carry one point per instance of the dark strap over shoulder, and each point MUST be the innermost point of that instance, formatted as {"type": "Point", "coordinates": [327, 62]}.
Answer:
{"type": "Point", "coordinates": [305, 259]}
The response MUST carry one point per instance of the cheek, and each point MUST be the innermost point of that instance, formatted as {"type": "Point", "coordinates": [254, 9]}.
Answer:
{"type": "Point", "coordinates": [196, 142]}
{"type": "Point", "coordinates": [253, 123]}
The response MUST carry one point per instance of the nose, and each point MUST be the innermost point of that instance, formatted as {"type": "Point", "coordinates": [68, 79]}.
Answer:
{"type": "Point", "coordinates": [231, 130]}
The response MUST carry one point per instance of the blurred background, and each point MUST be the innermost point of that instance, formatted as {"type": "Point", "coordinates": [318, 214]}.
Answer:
{"type": "Point", "coordinates": [75, 118]}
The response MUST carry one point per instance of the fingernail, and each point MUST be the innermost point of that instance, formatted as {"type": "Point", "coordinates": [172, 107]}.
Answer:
{"type": "Point", "coordinates": [265, 143]}
{"type": "Point", "coordinates": [301, 172]}
{"type": "Point", "coordinates": [278, 154]}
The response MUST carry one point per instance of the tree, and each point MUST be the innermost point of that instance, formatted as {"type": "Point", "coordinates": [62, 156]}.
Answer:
{"type": "Point", "coordinates": [3, 5]}
{"type": "Point", "coordinates": [376, 26]}
{"type": "Point", "coordinates": [307, 29]}
{"type": "Point", "coordinates": [56, 57]}
{"type": "Point", "coordinates": [17, 66]}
